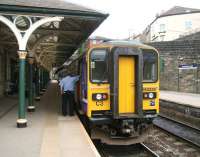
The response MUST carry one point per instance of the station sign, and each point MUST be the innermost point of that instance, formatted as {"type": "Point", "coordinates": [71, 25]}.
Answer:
{"type": "Point", "coordinates": [188, 66]}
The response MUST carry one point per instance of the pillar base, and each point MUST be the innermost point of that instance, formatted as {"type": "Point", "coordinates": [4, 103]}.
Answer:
{"type": "Point", "coordinates": [31, 109]}
{"type": "Point", "coordinates": [43, 89]}
{"type": "Point", "coordinates": [21, 123]}
{"type": "Point", "coordinates": [41, 93]}
{"type": "Point", "coordinates": [37, 98]}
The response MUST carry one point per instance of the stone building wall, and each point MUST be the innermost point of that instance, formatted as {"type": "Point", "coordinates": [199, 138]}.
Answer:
{"type": "Point", "coordinates": [179, 65]}
{"type": "Point", "coordinates": [7, 70]}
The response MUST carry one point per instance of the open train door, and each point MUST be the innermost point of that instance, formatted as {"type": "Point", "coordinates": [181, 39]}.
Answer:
{"type": "Point", "coordinates": [125, 74]}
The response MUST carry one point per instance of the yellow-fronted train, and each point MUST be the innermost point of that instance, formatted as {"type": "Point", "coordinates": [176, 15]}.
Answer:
{"type": "Point", "coordinates": [118, 91]}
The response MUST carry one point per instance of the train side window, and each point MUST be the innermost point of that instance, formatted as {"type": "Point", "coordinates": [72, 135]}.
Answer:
{"type": "Point", "coordinates": [83, 76]}
{"type": "Point", "coordinates": [150, 67]}
{"type": "Point", "coordinates": [98, 66]}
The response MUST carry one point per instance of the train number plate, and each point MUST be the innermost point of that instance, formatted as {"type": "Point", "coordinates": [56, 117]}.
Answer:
{"type": "Point", "coordinates": [99, 103]}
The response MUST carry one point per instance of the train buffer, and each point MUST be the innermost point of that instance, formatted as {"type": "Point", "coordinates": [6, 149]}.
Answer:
{"type": "Point", "coordinates": [48, 133]}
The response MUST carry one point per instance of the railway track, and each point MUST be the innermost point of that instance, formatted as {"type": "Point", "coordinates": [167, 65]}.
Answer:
{"type": "Point", "coordinates": [182, 123]}
{"type": "Point", "coordinates": [136, 150]}
{"type": "Point", "coordinates": [150, 150]}
{"type": "Point", "coordinates": [179, 129]}
{"type": "Point", "coordinates": [162, 142]}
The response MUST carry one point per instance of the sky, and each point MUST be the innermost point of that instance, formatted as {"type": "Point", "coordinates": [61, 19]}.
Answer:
{"type": "Point", "coordinates": [130, 16]}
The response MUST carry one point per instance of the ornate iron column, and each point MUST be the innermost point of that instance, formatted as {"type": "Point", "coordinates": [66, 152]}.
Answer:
{"type": "Point", "coordinates": [41, 80]}
{"type": "Point", "coordinates": [37, 83]}
{"type": "Point", "coordinates": [31, 107]}
{"type": "Point", "coordinates": [21, 121]}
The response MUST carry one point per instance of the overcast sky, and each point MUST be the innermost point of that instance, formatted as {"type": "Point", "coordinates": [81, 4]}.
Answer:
{"type": "Point", "coordinates": [130, 16]}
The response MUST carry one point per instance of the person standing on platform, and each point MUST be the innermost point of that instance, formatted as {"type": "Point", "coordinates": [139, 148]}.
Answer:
{"type": "Point", "coordinates": [64, 88]}
{"type": "Point", "coordinates": [67, 85]}
{"type": "Point", "coordinates": [73, 81]}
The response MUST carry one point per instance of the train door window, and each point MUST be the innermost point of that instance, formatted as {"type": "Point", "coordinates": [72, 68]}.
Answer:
{"type": "Point", "coordinates": [150, 67]}
{"type": "Point", "coordinates": [98, 66]}
{"type": "Point", "coordinates": [85, 77]}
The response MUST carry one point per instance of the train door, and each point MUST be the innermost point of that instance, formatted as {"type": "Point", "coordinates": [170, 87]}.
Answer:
{"type": "Point", "coordinates": [125, 77]}
{"type": "Point", "coordinates": [126, 84]}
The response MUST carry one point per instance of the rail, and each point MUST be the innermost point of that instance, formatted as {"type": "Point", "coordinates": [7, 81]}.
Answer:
{"type": "Point", "coordinates": [149, 150]}
{"type": "Point", "coordinates": [132, 150]}
{"type": "Point", "coordinates": [179, 129]}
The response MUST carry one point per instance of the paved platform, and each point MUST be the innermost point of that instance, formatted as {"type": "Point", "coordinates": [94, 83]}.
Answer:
{"type": "Point", "coordinates": [48, 133]}
{"type": "Point", "coordinates": [7, 104]}
{"type": "Point", "coordinates": [188, 99]}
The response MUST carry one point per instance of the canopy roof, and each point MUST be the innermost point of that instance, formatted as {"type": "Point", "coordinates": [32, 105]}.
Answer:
{"type": "Point", "coordinates": [47, 5]}
{"type": "Point", "coordinates": [55, 42]}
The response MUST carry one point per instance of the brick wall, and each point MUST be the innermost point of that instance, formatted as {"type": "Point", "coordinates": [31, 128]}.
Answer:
{"type": "Point", "coordinates": [174, 54]}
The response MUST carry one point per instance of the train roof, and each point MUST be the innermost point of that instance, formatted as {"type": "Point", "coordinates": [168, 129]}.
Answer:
{"type": "Point", "coordinates": [128, 43]}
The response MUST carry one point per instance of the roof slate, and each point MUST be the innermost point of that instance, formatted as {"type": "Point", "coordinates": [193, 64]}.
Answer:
{"type": "Point", "coordinates": [52, 4]}
{"type": "Point", "coordinates": [176, 10]}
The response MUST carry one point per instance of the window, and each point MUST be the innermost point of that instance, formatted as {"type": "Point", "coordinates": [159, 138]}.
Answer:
{"type": "Point", "coordinates": [162, 28]}
{"type": "Point", "coordinates": [98, 66]}
{"type": "Point", "coordinates": [83, 75]}
{"type": "Point", "coordinates": [188, 24]}
{"type": "Point", "coordinates": [162, 37]}
{"type": "Point", "coordinates": [94, 42]}
{"type": "Point", "coordinates": [150, 67]}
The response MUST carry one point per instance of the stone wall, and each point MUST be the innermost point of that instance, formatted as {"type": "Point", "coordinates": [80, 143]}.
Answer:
{"type": "Point", "coordinates": [174, 55]}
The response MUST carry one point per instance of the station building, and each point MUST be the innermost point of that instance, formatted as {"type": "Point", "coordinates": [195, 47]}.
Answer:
{"type": "Point", "coordinates": [172, 24]}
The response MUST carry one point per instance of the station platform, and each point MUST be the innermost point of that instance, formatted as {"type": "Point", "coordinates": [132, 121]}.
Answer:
{"type": "Point", "coordinates": [48, 133]}
{"type": "Point", "coordinates": [7, 104]}
{"type": "Point", "coordinates": [181, 107]}
{"type": "Point", "coordinates": [188, 99]}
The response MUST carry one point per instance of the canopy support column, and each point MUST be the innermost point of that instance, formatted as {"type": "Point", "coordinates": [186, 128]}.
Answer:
{"type": "Point", "coordinates": [41, 81]}
{"type": "Point", "coordinates": [37, 83]}
{"type": "Point", "coordinates": [21, 121]}
{"type": "Point", "coordinates": [31, 107]}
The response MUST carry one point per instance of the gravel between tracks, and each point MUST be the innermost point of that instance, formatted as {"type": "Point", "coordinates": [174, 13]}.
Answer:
{"type": "Point", "coordinates": [165, 144]}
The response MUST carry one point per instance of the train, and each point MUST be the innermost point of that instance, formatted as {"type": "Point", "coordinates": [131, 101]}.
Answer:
{"type": "Point", "coordinates": [117, 95]}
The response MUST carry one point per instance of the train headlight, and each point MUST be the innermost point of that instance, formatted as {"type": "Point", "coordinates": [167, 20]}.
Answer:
{"type": "Point", "coordinates": [150, 95]}
{"type": "Point", "coordinates": [99, 96]}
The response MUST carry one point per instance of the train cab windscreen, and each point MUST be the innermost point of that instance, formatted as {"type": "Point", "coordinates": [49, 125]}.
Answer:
{"type": "Point", "coordinates": [150, 67]}
{"type": "Point", "coordinates": [98, 66]}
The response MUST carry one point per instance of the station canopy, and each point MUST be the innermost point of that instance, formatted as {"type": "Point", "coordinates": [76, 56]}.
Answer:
{"type": "Point", "coordinates": [53, 42]}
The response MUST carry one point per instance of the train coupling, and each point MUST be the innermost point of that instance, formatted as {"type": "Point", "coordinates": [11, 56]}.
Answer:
{"type": "Point", "coordinates": [127, 127]}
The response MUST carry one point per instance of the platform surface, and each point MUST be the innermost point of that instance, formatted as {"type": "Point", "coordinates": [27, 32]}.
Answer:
{"type": "Point", "coordinates": [189, 99]}
{"type": "Point", "coordinates": [48, 133]}
{"type": "Point", "coordinates": [7, 103]}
